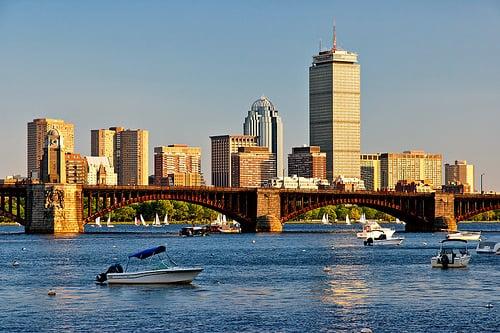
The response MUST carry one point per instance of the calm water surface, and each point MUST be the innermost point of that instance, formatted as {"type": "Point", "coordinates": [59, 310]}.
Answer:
{"type": "Point", "coordinates": [277, 283]}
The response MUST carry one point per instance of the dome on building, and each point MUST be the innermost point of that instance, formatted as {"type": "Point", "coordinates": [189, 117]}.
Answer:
{"type": "Point", "coordinates": [262, 103]}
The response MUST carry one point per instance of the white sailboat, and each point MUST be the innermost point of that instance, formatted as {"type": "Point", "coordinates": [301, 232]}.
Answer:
{"type": "Point", "coordinates": [165, 220]}
{"type": "Point", "coordinates": [324, 219]}
{"type": "Point", "coordinates": [98, 221]}
{"type": "Point", "coordinates": [347, 220]}
{"type": "Point", "coordinates": [136, 221]}
{"type": "Point", "coordinates": [362, 219]}
{"type": "Point", "coordinates": [142, 221]}
{"type": "Point", "coordinates": [108, 222]}
{"type": "Point", "coordinates": [224, 219]}
{"type": "Point", "coordinates": [157, 223]}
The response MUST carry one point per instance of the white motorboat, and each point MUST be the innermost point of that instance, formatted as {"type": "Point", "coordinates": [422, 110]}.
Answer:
{"type": "Point", "coordinates": [448, 257]}
{"type": "Point", "coordinates": [167, 273]}
{"type": "Point", "coordinates": [465, 235]}
{"type": "Point", "coordinates": [372, 229]}
{"type": "Point", "coordinates": [393, 241]}
{"type": "Point", "coordinates": [488, 247]}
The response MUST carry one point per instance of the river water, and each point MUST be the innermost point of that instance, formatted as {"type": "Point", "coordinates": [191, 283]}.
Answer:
{"type": "Point", "coordinates": [310, 278]}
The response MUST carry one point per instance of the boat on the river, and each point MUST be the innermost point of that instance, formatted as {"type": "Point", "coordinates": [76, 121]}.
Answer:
{"type": "Point", "coordinates": [465, 235]}
{"type": "Point", "coordinates": [165, 272]}
{"type": "Point", "coordinates": [450, 257]}
{"type": "Point", "coordinates": [222, 225]}
{"type": "Point", "coordinates": [372, 229]}
{"type": "Point", "coordinates": [194, 231]}
{"type": "Point", "coordinates": [488, 247]}
{"type": "Point", "coordinates": [383, 240]}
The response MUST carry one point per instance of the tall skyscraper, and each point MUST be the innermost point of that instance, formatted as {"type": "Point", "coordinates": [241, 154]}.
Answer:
{"type": "Point", "coordinates": [414, 165]}
{"type": "Point", "coordinates": [178, 164]}
{"type": "Point", "coordinates": [460, 173]}
{"type": "Point", "coordinates": [334, 110]}
{"type": "Point", "coordinates": [132, 157]}
{"type": "Point", "coordinates": [264, 123]}
{"type": "Point", "coordinates": [370, 171]}
{"type": "Point", "coordinates": [307, 162]}
{"type": "Point", "coordinates": [37, 133]}
{"type": "Point", "coordinates": [222, 148]}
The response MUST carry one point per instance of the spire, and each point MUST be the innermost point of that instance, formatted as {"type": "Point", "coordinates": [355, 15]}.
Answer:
{"type": "Point", "coordinates": [334, 47]}
{"type": "Point", "coordinates": [320, 46]}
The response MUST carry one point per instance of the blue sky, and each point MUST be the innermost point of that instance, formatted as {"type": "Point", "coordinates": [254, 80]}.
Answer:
{"type": "Point", "coordinates": [186, 70]}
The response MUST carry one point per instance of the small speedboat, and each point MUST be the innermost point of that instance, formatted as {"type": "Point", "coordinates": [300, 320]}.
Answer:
{"type": "Point", "coordinates": [465, 235]}
{"type": "Point", "coordinates": [194, 231]}
{"type": "Point", "coordinates": [383, 240]}
{"type": "Point", "coordinates": [373, 230]}
{"type": "Point", "coordinates": [449, 257]}
{"type": "Point", "coordinates": [166, 272]}
{"type": "Point", "coordinates": [488, 247]}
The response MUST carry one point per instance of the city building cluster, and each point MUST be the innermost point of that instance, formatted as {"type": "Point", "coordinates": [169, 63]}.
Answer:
{"type": "Point", "coordinates": [333, 158]}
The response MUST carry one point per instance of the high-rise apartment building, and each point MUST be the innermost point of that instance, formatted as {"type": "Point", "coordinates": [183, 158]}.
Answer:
{"type": "Point", "coordinates": [370, 171]}
{"type": "Point", "coordinates": [37, 133]}
{"type": "Point", "coordinates": [178, 165]}
{"type": "Point", "coordinates": [222, 148]}
{"type": "Point", "coordinates": [410, 166]}
{"type": "Point", "coordinates": [334, 110]}
{"type": "Point", "coordinates": [100, 171]}
{"type": "Point", "coordinates": [252, 167]}
{"type": "Point", "coordinates": [264, 122]}
{"type": "Point", "coordinates": [76, 169]}
{"type": "Point", "coordinates": [307, 162]}
{"type": "Point", "coordinates": [132, 157]}
{"type": "Point", "coordinates": [105, 142]}
{"type": "Point", "coordinates": [460, 173]}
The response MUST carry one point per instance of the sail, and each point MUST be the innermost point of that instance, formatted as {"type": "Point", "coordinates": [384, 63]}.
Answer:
{"type": "Point", "coordinates": [136, 221]}
{"type": "Point", "coordinates": [108, 222]}
{"type": "Point", "coordinates": [224, 219]}
{"type": "Point", "coordinates": [157, 219]}
{"type": "Point", "coordinates": [323, 219]}
{"type": "Point", "coordinates": [98, 221]}
{"type": "Point", "coordinates": [362, 219]}
{"type": "Point", "coordinates": [142, 220]}
{"type": "Point", "coordinates": [165, 220]}
{"type": "Point", "coordinates": [347, 220]}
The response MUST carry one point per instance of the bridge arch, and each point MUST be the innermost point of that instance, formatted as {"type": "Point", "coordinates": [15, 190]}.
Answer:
{"type": "Point", "coordinates": [469, 214]}
{"type": "Point", "coordinates": [12, 217]}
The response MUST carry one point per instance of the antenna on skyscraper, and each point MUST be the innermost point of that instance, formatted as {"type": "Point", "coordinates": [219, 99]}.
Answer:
{"type": "Point", "coordinates": [320, 46]}
{"type": "Point", "coordinates": [334, 47]}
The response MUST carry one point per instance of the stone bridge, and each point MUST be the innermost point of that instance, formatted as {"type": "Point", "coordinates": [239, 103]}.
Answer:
{"type": "Point", "coordinates": [60, 208]}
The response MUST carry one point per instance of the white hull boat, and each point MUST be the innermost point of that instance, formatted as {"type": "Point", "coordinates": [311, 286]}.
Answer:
{"type": "Point", "coordinates": [373, 230]}
{"type": "Point", "coordinates": [465, 235]}
{"type": "Point", "coordinates": [448, 257]}
{"type": "Point", "coordinates": [384, 242]}
{"type": "Point", "coordinates": [488, 247]}
{"type": "Point", "coordinates": [167, 273]}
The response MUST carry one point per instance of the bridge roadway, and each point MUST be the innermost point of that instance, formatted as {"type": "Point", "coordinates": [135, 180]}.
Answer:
{"type": "Point", "coordinates": [61, 208]}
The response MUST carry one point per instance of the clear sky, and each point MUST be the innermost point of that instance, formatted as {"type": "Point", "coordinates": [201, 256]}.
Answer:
{"type": "Point", "coordinates": [186, 70]}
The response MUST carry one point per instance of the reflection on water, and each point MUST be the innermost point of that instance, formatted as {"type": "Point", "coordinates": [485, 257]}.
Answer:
{"type": "Point", "coordinates": [310, 278]}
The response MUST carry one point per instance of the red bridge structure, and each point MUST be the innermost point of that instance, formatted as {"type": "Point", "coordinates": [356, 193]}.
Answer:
{"type": "Point", "coordinates": [61, 208]}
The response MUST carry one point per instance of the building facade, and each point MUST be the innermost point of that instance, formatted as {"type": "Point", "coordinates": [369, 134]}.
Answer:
{"type": "Point", "coordinates": [132, 157]}
{"type": "Point", "coordinates": [53, 163]}
{"type": "Point", "coordinates": [76, 169]}
{"type": "Point", "coordinates": [252, 167]}
{"type": "Point", "coordinates": [37, 133]}
{"type": "Point", "coordinates": [370, 171]}
{"type": "Point", "coordinates": [105, 142]}
{"type": "Point", "coordinates": [460, 173]}
{"type": "Point", "coordinates": [307, 162]}
{"type": "Point", "coordinates": [296, 182]}
{"type": "Point", "coordinates": [334, 110]}
{"type": "Point", "coordinates": [177, 165]}
{"type": "Point", "coordinates": [222, 148]}
{"type": "Point", "coordinates": [410, 166]}
{"type": "Point", "coordinates": [264, 122]}
{"type": "Point", "coordinates": [100, 171]}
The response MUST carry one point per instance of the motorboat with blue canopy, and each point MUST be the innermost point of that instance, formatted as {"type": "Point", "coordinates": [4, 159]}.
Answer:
{"type": "Point", "coordinates": [166, 270]}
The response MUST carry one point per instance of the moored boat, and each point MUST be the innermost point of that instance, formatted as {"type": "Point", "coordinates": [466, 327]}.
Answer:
{"type": "Point", "coordinates": [372, 229]}
{"type": "Point", "coordinates": [168, 272]}
{"type": "Point", "coordinates": [465, 235]}
{"type": "Point", "coordinates": [488, 247]}
{"type": "Point", "coordinates": [194, 231]}
{"type": "Point", "coordinates": [449, 257]}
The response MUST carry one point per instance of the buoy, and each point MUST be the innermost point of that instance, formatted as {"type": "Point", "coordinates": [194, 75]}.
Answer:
{"type": "Point", "coordinates": [366, 330]}
{"type": "Point", "coordinates": [15, 263]}
{"type": "Point", "coordinates": [23, 249]}
{"type": "Point", "coordinates": [489, 306]}
{"type": "Point", "coordinates": [114, 246]}
{"type": "Point", "coordinates": [51, 292]}
{"type": "Point", "coordinates": [303, 250]}
{"type": "Point", "coordinates": [253, 241]}
{"type": "Point", "coordinates": [425, 243]}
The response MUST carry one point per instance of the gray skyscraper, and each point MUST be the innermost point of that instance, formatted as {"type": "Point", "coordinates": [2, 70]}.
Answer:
{"type": "Point", "coordinates": [264, 122]}
{"type": "Point", "coordinates": [334, 110]}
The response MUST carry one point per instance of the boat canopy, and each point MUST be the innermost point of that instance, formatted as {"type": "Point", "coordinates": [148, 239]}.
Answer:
{"type": "Point", "coordinates": [453, 240]}
{"type": "Point", "coordinates": [149, 252]}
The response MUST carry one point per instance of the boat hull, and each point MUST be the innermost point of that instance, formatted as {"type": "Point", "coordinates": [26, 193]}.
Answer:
{"type": "Point", "coordinates": [160, 276]}
{"type": "Point", "coordinates": [460, 262]}
{"type": "Point", "coordinates": [467, 236]}
{"type": "Point", "coordinates": [385, 242]}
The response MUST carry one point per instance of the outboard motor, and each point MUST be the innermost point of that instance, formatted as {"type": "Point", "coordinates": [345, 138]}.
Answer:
{"type": "Point", "coordinates": [115, 268]}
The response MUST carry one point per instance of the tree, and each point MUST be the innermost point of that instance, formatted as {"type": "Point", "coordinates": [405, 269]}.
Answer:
{"type": "Point", "coordinates": [355, 213]}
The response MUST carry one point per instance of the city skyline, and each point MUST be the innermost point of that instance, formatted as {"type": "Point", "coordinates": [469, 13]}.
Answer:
{"type": "Point", "coordinates": [457, 90]}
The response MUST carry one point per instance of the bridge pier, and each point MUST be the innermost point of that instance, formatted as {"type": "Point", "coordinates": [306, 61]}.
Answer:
{"type": "Point", "coordinates": [54, 208]}
{"type": "Point", "coordinates": [444, 212]}
{"type": "Point", "coordinates": [268, 217]}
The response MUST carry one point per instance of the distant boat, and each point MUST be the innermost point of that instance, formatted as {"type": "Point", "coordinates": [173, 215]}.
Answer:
{"type": "Point", "coordinates": [98, 221]}
{"type": "Point", "coordinates": [224, 219]}
{"type": "Point", "coordinates": [108, 222]}
{"type": "Point", "coordinates": [136, 221]}
{"type": "Point", "coordinates": [362, 219]}
{"type": "Point", "coordinates": [347, 220]}
{"type": "Point", "coordinates": [165, 220]}
{"type": "Point", "coordinates": [324, 219]}
{"type": "Point", "coordinates": [157, 223]}
{"type": "Point", "coordinates": [142, 221]}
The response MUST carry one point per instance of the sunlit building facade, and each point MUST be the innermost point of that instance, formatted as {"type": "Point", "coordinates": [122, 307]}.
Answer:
{"type": "Point", "coordinates": [370, 171]}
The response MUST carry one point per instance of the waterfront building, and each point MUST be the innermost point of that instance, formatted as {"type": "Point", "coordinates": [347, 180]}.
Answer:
{"type": "Point", "coordinates": [252, 167]}
{"type": "Point", "coordinates": [264, 122]}
{"type": "Point", "coordinates": [296, 182]}
{"type": "Point", "coordinates": [410, 166]}
{"type": "Point", "coordinates": [334, 110]}
{"type": "Point", "coordinates": [100, 171]}
{"type": "Point", "coordinates": [307, 162]}
{"type": "Point", "coordinates": [348, 184]}
{"type": "Point", "coordinates": [222, 148]}
{"type": "Point", "coordinates": [370, 171]}
{"type": "Point", "coordinates": [53, 164]}
{"type": "Point", "coordinates": [76, 169]}
{"type": "Point", "coordinates": [414, 186]}
{"type": "Point", "coordinates": [460, 173]}
{"type": "Point", "coordinates": [177, 165]}
{"type": "Point", "coordinates": [132, 157]}
{"type": "Point", "coordinates": [105, 142]}
{"type": "Point", "coordinates": [36, 139]}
